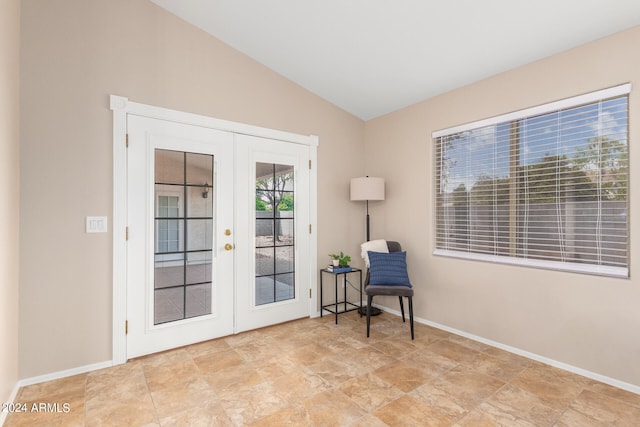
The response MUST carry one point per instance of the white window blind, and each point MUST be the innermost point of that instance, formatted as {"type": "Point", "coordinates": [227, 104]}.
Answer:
{"type": "Point", "coordinates": [543, 187]}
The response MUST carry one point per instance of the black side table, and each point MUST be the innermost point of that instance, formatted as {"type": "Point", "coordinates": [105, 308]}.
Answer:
{"type": "Point", "coordinates": [348, 306]}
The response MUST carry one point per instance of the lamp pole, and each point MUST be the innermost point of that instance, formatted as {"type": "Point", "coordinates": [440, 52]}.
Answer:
{"type": "Point", "coordinates": [368, 232]}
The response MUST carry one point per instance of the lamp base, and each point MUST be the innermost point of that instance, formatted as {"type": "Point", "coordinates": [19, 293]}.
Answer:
{"type": "Point", "coordinates": [375, 311]}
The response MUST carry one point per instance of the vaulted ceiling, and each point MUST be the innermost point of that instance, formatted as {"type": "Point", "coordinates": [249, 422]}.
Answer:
{"type": "Point", "coordinates": [371, 57]}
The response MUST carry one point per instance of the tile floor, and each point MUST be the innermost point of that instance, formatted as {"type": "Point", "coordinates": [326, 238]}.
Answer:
{"type": "Point", "coordinates": [312, 372]}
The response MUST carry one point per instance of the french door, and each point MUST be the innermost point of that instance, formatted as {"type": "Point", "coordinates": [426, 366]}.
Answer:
{"type": "Point", "coordinates": [272, 218]}
{"type": "Point", "coordinates": [217, 240]}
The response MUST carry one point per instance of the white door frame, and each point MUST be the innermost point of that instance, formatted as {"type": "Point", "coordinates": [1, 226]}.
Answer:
{"type": "Point", "coordinates": [121, 107]}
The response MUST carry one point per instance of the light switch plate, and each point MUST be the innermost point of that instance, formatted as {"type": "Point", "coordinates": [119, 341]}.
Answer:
{"type": "Point", "coordinates": [96, 224]}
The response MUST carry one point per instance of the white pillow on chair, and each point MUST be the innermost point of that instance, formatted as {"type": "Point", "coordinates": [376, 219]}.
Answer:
{"type": "Point", "coordinates": [373, 246]}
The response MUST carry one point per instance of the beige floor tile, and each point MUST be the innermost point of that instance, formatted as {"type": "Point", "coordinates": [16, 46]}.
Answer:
{"type": "Point", "coordinates": [502, 369]}
{"type": "Point", "coordinates": [473, 345]}
{"type": "Point", "coordinates": [289, 416]}
{"type": "Point", "coordinates": [301, 385]}
{"type": "Point", "coordinates": [234, 378]}
{"type": "Point", "coordinates": [320, 333]}
{"type": "Point", "coordinates": [248, 405]}
{"type": "Point", "coordinates": [402, 375]}
{"type": "Point", "coordinates": [431, 331]}
{"type": "Point", "coordinates": [60, 410]}
{"type": "Point", "coordinates": [337, 370]}
{"type": "Point", "coordinates": [206, 347]}
{"type": "Point", "coordinates": [276, 367]}
{"type": "Point", "coordinates": [214, 362]}
{"type": "Point", "coordinates": [553, 374]}
{"type": "Point", "coordinates": [243, 338]}
{"type": "Point", "coordinates": [119, 396]}
{"type": "Point", "coordinates": [486, 415]}
{"type": "Point", "coordinates": [343, 344]}
{"type": "Point", "coordinates": [369, 421]}
{"type": "Point", "coordinates": [393, 347]}
{"type": "Point", "coordinates": [310, 354]}
{"type": "Point", "coordinates": [183, 395]}
{"type": "Point", "coordinates": [557, 388]}
{"type": "Point", "coordinates": [49, 420]}
{"type": "Point", "coordinates": [606, 409]}
{"type": "Point", "coordinates": [165, 358]}
{"type": "Point", "coordinates": [259, 350]}
{"type": "Point", "coordinates": [453, 351]}
{"type": "Point", "coordinates": [293, 339]}
{"type": "Point", "coordinates": [371, 358]}
{"type": "Point", "coordinates": [407, 411]}
{"type": "Point", "coordinates": [467, 387]}
{"type": "Point", "coordinates": [126, 383]}
{"type": "Point", "coordinates": [133, 368]}
{"type": "Point", "coordinates": [313, 372]}
{"type": "Point", "coordinates": [572, 418]}
{"type": "Point", "coordinates": [70, 386]}
{"type": "Point", "coordinates": [439, 400]}
{"type": "Point", "coordinates": [170, 373]}
{"type": "Point", "coordinates": [208, 414]}
{"type": "Point", "coordinates": [430, 363]}
{"type": "Point", "coordinates": [370, 391]}
{"type": "Point", "coordinates": [132, 412]}
{"type": "Point", "coordinates": [331, 408]}
{"type": "Point", "coordinates": [505, 355]}
{"type": "Point", "coordinates": [525, 405]}
{"type": "Point", "coordinates": [616, 393]}
{"type": "Point", "coordinates": [397, 330]}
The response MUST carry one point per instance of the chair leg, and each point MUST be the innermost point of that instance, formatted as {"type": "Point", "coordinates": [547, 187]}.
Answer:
{"type": "Point", "coordinates": [411, 315]}
{"type": "Point", "coordinates": [401, 308]}
{"type": "Point", "coordinates": [369, 300]}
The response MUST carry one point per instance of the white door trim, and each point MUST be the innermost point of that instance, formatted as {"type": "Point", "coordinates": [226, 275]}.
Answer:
{"type": "Point", "coordinates": [121, 107]}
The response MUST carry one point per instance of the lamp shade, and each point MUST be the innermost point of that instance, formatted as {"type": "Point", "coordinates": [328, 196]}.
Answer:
{"type": "Point", "coordinates": [367, 188]}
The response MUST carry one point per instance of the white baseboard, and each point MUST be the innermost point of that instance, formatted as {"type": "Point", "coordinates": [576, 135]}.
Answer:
{"type": "Point", "coordinates": [49, 377]}
{"type": "Point", "coordinates": [12, 398]}
{"type": "Point", "coordinates": [570, 368]}
{"type": "Point", "coordinates": [65, 373]}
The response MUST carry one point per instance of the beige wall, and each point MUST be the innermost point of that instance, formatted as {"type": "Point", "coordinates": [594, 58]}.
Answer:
{"type": "Point", "coordinates": [74, 54]}
{"type": "Point", "coordinates": [9, 192]}
{"type": "Point", "coordinates": [585, 321]}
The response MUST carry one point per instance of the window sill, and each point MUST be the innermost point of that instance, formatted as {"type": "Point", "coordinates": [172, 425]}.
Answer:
{"type": "Point", "coordinates": [597, 270]}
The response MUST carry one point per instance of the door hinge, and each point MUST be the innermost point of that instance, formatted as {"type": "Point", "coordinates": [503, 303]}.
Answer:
{"type": "Point", "coordinates": [127, 233]}
{"type": "Point", "coordinates": [126, 327]}
{"type": "Point", "coordinates": [127, 140]}
{"type": "Point", "coordinates": [309, 164]}
{"type": "Point", "coordinates": [309, 228]}
{"type": "Point", "coordinates": [309, 292]}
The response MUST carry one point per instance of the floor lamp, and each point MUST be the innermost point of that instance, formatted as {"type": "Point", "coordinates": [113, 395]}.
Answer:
{"type": "Point", "coordinates": [367, 188]}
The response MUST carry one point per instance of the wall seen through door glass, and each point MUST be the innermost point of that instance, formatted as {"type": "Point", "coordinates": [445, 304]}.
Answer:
{"type": "Point", "coordinates": [275, 263]}
{"type": "Point", "coordinates": [183, 240]}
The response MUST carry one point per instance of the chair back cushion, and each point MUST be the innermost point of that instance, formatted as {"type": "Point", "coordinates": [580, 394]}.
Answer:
{"type": "Point", "coordinates": [372, 246]}
{"type": "Point", "coordinates": [392, 246]}
{"type": "Point", "coordinates": [389, 269]}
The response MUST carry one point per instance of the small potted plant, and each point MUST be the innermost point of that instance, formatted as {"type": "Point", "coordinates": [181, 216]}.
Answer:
{"type": "Point", "coordinates": [340, 260]}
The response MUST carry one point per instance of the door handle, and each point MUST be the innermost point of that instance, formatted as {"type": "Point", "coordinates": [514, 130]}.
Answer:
{"type": "Point", "coordinates": [228, 247]}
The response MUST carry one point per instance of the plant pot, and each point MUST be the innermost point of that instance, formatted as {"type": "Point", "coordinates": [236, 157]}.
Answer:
{"type": "Point", "coordinates": [335, 262]}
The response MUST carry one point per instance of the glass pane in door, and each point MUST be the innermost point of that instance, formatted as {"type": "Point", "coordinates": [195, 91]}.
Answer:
{"type": "Point", "coordinates": [275, 242]}
{"type": "Point", "coordinates": [183, 238]}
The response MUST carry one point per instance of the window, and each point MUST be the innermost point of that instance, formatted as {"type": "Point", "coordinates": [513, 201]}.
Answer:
{"type": "Point", "coordinates": [168, 234]}
{"type": "Point", "coordinates": [544, 187]}
{"type": "Point", "coordinates": [275, 226]}
{"type": "Point", "coordinates": [183, 235]}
